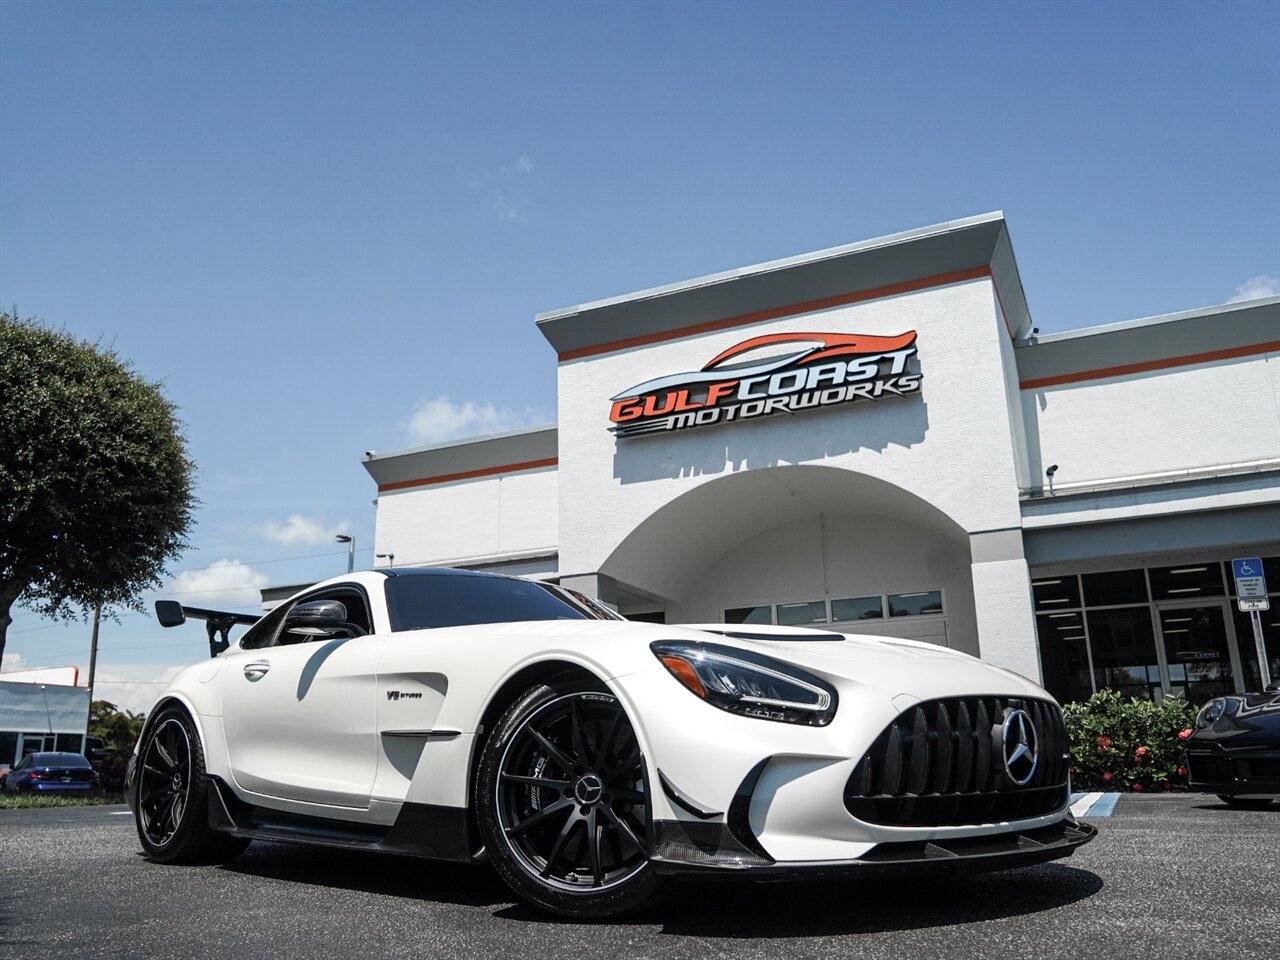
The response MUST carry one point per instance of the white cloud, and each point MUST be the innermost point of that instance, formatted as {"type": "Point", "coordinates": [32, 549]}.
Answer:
{"type": "Point", "coordinates": [13, 661]}
{"type": "Point", "coordinates": [300, 531]}
{"type": "Point", "coordinates": [224, 583]}
{"type": "Point", "coordinates": [524, 163]}
{"type": "Point", "coordinates": [135, 687]}
{"type": "Point", "coordinates": [1256, 287]}
{"type": "Point", "coordinates": [441, 419]}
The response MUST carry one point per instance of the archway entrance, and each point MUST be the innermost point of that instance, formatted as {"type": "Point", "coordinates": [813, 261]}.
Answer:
{"type": "Point", "coordinates": [802, 545]}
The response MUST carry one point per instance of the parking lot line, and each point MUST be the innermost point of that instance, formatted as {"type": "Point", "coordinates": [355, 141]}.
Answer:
{"type": "Point", "coordinates": [1081, 804]}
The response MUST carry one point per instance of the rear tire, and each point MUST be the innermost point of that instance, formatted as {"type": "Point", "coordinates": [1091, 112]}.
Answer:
{"type": "Point", "coordinates": [563, 803]}
{"type": "Point", "coordinates": [1244, 803]}
{"type": "Point", "coordinates": [173, 790]}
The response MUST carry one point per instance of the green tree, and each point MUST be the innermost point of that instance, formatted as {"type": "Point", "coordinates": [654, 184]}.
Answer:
{"type": "Point", "coordinates": [95, 484]}
{"type": "Point", "coordinates": [119, 729]}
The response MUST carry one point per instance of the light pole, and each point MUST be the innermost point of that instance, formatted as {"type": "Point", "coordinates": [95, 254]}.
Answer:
{"type": "Point", "coordinates": [93, 666]}
{"type": "Point", "coordinates": [350, 541]}
{"type": "Point", "coordinates": [389, 557]}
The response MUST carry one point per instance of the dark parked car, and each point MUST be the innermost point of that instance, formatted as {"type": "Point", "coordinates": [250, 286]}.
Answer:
{"type": "Point", "coordinates": [1235, 749]}
{"type": "Point", "coordinates": [51, 773]}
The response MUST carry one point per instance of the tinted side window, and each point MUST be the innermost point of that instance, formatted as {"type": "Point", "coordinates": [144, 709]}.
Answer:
{"type": "Point", "coordinates": [264, 631]}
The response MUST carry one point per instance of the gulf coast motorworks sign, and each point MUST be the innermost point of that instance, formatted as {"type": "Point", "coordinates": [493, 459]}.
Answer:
{"type": "Point", "coordinates": [776, 373]}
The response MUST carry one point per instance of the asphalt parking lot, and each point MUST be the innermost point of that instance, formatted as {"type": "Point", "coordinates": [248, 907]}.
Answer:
{"type": "Point", "coordinates": [1169, 876]}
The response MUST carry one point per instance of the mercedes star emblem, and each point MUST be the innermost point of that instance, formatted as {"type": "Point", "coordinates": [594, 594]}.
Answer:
{"type": "Point", "coordinates": [1021, 748]}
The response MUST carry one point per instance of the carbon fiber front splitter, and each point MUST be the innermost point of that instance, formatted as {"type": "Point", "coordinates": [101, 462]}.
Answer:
{"type": "Point", "coordinates": [709, 850]}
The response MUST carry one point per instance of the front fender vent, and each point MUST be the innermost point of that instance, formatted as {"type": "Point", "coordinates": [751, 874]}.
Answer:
{"type": "Point", "coordinates": [940, 764]}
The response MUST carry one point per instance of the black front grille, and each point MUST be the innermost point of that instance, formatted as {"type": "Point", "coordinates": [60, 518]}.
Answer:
{"type": "Point", "coordinates": [1261, 768]}
{"type": "Point", "coordinates": [1208, 768]}
{"type": "Point", "coordinates": [940, 764]}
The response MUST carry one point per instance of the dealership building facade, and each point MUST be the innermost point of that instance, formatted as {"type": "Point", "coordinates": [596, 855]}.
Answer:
{"type": "Point", "coordinates": [874, 437]}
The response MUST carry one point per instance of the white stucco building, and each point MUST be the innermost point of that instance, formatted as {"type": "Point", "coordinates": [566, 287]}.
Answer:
{"type": "Point", "coordinates": [875, 437]}
{"type": "Point", "coordinates": [42, 710]}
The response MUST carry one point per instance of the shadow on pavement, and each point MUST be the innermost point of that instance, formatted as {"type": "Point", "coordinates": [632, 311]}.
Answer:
{"type": "Point", "coordinates": [373, 873]}
{"type": "Point", "coordinates": [729, 909]}
{"type": "Point", "coordinates": [741, 910]}
{"type": "Point", "coordinates": [1218, 805]}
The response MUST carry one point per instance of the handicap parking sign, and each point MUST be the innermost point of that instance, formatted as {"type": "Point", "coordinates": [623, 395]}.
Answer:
{"type": "Point", "coordinates": [1251, 582]}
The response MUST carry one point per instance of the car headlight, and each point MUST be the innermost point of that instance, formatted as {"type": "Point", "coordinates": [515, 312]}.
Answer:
{"type": "Point", "coordinates": [1210, 713]}
{"type": "Point", "coordinates": [748, 683]}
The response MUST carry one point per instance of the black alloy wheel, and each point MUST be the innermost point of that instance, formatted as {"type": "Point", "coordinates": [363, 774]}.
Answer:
{"type": "Point", "coordinates": [564, 803]}
{"type": "Point", "coordinates": [164, 782]}
{"type": "Point", "coordinates": [172, 804]}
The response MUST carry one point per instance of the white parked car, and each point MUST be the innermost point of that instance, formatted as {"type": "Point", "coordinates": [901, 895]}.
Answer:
{"type": "Point", "coordinates": [466, 716]}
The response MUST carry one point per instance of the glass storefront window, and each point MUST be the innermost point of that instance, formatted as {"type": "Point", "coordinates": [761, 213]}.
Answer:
{"type": "Point", "coordinates": [800, 614]}
{"type": "Point", "coordinates": [1124, 651]}
{"type": "Point", "coordinates": [1249, 646]}
{"type": "Point", "coordinates": [1195, 648]}
{"type": "Point", "coordinates": [69, 743]}
{"type": "Point", "coordinates": [1115, 588]}
{"type": "Point", "coordinates": [1187, 581]}
{"type": "Point", "coordinates": [1064, 655]}
{"type": "Point", "coordinates": [915, 604]}
{"type": "Point", "coordinates": [857, 608]}
{"type": "Point", "coordinates": [749, 615]}
{"type": "Point", "coordinates": [1154, 630]}
{"type": "Point", "coordinates": [1056, 593]}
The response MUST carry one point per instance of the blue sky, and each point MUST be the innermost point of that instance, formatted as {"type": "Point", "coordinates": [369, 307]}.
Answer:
{"type": "Point", "coordinates": [326, 227]}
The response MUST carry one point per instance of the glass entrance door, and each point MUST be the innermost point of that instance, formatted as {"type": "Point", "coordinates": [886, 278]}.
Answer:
{"type": "Point", "coordinates": [1197, 650]}
{"type": "Point", "coordinates": [34, 743]}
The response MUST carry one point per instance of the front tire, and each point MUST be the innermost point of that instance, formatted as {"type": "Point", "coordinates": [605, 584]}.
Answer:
{"type": "Point", "coordinates": [173, 790]}
{"type": "Point", "coordinates": [563, 803]}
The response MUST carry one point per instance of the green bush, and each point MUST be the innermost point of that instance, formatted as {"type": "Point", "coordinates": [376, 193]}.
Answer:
{"type": "Point", "coordinates": [1119, 744]}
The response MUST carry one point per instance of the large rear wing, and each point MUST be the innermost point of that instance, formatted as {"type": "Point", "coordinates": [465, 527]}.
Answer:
{"type": "Point", "coordinates": [171, 613]}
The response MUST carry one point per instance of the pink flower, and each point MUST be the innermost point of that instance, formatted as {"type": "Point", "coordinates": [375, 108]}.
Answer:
{"type": "Point", "coordinates": [1182, 771]}
{"type": "Point", "coordinates": [1107, 776]}
{"type": "Point", "coordinates": [1140, 752]}
{"type": "Point", "coordinates": [1104, 743]}
{"type": "Point", "coordinates": [1137, 788]}
{"type": "Point", "coordinates": [1184, 734]}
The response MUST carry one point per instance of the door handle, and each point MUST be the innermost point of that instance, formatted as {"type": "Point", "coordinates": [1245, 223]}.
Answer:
{"type": "Point", "coordinates": [256, 670]}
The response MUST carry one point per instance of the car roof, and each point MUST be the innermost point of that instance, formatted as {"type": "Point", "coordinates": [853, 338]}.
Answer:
{"type": "Point", "coordinates": [442, 572]}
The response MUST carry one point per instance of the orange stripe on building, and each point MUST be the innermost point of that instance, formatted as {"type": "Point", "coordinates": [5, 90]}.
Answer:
{"type": "Point", "coordinates": [469, 474]}
{"type": "Point", "coordinates": [808, 306]}
{"type": "Point", "coordinates": [1145, 366]}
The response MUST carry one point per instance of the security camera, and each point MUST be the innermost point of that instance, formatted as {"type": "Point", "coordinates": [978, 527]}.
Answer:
{"type": "Point", "coordinates": [1051, 471]}
{"type": "Point", "coordinates": [370, 453]}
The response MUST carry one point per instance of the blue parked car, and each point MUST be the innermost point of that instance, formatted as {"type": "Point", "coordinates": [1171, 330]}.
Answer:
{"type": "Point", "coordinates": [51, 773]}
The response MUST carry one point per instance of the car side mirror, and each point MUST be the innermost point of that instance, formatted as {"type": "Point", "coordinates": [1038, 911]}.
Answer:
{"type": "Point", "coordinates": [316, 617]}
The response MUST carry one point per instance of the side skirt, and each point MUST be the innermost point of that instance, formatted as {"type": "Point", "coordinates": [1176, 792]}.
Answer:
{"type": "Point", "coordinates": [421, 829]}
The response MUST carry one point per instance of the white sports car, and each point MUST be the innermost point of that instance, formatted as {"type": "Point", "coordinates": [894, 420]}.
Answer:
{"type": "Point", "coordinates": [466, 716]}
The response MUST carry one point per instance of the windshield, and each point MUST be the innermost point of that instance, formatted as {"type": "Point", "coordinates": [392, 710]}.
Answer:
{"type": "Point", "coordinates": [418, 602]}
{"type": "Point", "coordinates": [59, 760]}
